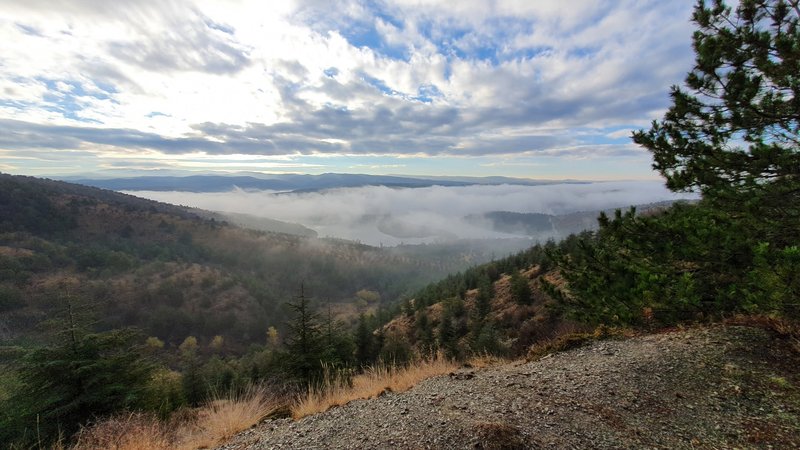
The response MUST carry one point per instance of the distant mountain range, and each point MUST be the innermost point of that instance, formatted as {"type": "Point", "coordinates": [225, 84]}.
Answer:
{"type": "Point", "coordinates": [292, 182]}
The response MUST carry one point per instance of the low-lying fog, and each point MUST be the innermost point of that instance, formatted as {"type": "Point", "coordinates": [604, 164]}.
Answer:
{"type": "Point", "coordinates": [379, 215]}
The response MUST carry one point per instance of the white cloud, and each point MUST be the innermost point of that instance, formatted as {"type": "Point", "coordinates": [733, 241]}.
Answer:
{"type": "Point", "coordinates": [466, 78]}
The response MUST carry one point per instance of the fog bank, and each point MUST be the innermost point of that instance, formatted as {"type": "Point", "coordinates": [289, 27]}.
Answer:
{"type": "Point", "coordinates": [379, 215]}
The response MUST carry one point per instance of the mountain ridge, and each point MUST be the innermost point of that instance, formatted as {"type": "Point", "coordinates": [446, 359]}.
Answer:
{"type": "Point", "coordinates": [292, 182]}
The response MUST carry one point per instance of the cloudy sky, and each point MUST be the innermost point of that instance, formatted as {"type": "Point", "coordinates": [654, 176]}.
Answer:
{"type": "Point", "coordinates": [527, 88]}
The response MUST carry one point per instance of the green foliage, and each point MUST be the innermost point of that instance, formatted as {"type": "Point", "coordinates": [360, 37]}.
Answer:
{"type": "Point", "coordinates": [485, 340]}
{"type": "Point", "coordinates": [483, 301]}
{"type": "Point", "coordinates": [38, 213]}
{"type": "Point", "coordinates": [66, 385]}
{"type": "Point", "coordinates": [774, 281]}
{"type": "Point", "coordinates": [669, 264]}
{"type": "Point", "coordinates": [304, 341]}
{"type": "Point", "coordinates": [424, 334]}
{"type": "Point", "coordinates": [448, 337]}
{"type": "Point", "coordinates": [459, 334]}
{"type": "Point", "coordinates": [164, 392]}
{"type": "Point", "coordinates": [365, 345]}
{"type": "Point", "coordinates": [313, 347]}
{"type": "Point", "coordinates": [520, 289]}
{"type": "Point", "coordinates": [691, 261]}
{"type": "Point", "coordinates": [481, 277]}
{"type": "Point", "coordinates": [733, 132]}
{"type": "Point", "coordinates": [733, 136]}
{"type": "Point", "coordinates": [192, 381]}
{"type": "Point", "coordinates": [396, 351]}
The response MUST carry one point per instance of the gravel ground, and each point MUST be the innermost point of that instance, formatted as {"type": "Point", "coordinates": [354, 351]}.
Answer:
{"type": "Point", "coordinates": [719, 387]}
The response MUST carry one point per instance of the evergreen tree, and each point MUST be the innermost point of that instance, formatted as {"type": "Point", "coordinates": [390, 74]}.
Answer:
{"type": "Point", "coordinates": [448, 339]}
{"type": "Point", "coordinates": [66, 385]}
{"type": "Point", "coordinates": [732, 135]}
{"type": "Point", "coordinates": [305, 342]}
{"type": "Point", "coordinates": [81, 376]}
{"type": "Point", "coordinates": [520, 289]}
{"type": "Point", "coordinates": [484, 340]}
{"type": "Point", "coordinates": [483, 301]}
{"type": "Point", "coordinates": [424, 334]}
{"type": "Point", "coordinates": [364, 342]}
{"type": "Point", "coordinates": [732, 132]}
{"type": "Point", "coordinates": [339, 345]}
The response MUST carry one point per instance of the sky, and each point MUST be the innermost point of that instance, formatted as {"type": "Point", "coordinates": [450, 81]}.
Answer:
{"type": "Point", "coordinates": [543, 89]}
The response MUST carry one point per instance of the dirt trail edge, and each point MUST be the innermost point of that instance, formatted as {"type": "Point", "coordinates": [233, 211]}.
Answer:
{"type": "Point", "coordinates": [717, 387]}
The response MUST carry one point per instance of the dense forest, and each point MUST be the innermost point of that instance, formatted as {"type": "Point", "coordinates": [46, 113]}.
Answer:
{"type": "Point", "coordinates": [219, 307]}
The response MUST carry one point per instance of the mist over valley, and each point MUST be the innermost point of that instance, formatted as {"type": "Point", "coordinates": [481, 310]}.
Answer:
{"type": "Point", "coordinates": [390, 215]}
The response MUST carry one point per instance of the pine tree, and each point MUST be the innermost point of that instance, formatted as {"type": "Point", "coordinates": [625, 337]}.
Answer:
{"type": "Point", "coordinates": [424, 334]}
{"type": "Point", "coordinates": [732, 135]}
{"type": "Point", "coordinates": [66, 385]}
{"type": "Point", "coordinates": [520, 289]}
{"type": "Point", "coordinates": [483, 301]}
{"type": "Point", "coordinates": [305, 342]}
{"type": "Point", "coordinates": [448, 339]}
{"type": "Point", "coordinates": [733, 132]}
{"type": "Point", "coordinates": [365, 342]}
{"type": "Point", "coordinates": [81, 376]}
{"type": "Point", "coordinates": [192, 380]}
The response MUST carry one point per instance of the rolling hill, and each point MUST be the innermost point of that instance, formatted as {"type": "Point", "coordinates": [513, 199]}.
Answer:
{"type": "Point", "coordinates": [173, 271]}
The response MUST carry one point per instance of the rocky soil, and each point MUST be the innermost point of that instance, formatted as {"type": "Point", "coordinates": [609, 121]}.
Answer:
{"type": "Point", "coordinates": [719, 387]}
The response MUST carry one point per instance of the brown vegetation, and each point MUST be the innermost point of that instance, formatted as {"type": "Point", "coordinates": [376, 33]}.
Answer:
{"type": "Point", "coordinates": [204, 427]}
{"type": "Point", "coordinates": [371, 383]}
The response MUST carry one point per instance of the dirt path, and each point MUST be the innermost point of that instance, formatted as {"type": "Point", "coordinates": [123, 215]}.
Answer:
{"type": "Point", "coordinates": [719, 387]}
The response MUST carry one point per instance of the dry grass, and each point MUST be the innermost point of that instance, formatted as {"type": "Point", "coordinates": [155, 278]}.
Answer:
{"type": "Point", "coordinates": [372, 383]}
{"type": "Point", "coordinates": [485, 360]}
{"type": "Point", "coordinates": [204, 427]}
{"type": "Point", "coordinates": [132, 431]}
{"type": "Point", "coordinates": [222, 417]}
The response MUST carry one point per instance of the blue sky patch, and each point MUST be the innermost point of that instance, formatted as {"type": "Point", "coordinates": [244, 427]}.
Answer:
{"type": "Point", "coordinates": [427, 92]}
{"type": "Point", "coordinates": [378, 84]}
{"type": "Point", "coordinates": [29, 30]}
{"type": "Point", "coordinates": [365, 35]}
{"type": "Point", "coordinates": [220, 27]}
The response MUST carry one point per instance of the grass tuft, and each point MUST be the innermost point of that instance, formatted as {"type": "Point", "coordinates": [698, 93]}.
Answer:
{"type": "Point", "coordinates": [484, 360]}
{"type": "Point", "coordinates": [224, 416]}
{"type": "Point", "coordinates": [373, 382]}
{"type": "Point", "coordinates": [204, 427]}
{"type": "Point", "coordinates": [130, 431]}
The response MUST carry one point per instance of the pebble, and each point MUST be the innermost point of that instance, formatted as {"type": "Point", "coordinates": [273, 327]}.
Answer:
{"type": "Point", "coordinates": [578, 399]}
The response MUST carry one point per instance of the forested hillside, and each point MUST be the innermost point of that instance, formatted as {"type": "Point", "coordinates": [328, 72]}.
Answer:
{"type": "Point", "coordinates": [169, 271]}
{"type": "Point", "coordinates": [85, 265]}
{"type": "Point", "coordinates": [78, 265]}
